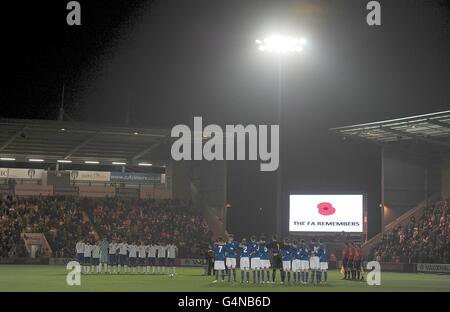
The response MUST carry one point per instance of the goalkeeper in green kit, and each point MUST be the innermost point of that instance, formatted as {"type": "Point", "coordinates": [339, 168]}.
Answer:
{"type": "Point", "coordinates": [104, 255]}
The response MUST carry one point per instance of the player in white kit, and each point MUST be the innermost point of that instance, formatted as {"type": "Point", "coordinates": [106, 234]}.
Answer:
{"type": "Point", "coordinates": [142, 251]}
{"type": "Point", "coordinates": [95, 262]}
{"type": "Point", "coordinates": [132, 257]}
{"type": "Point", "coordinates": [171, 256]}
{"type": "Point", "coordinates": [161, 258]}
{"type": "Point", "coordinates": [79, 248]}
{"type": "Point", "coordinates": [87, 257]}
{"type": "Point", "coordinates": [113, 258]}
{"type": "Point", "coordinates": [151, 257]}
{"type": "Point", "coordinates": [123, 259]}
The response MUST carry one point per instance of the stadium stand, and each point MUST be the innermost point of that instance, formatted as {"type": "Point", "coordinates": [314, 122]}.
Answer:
{"type": "Point", "coordinates": [59, 219]}
{"type": "Point", "coordinates": [415, 187]}
{"type": "Point", "coordinates": [64, 220]}
{"type": "Point", "coordinates": [168, 221]}
{"type": "Point", "coordinates": [423, 240]}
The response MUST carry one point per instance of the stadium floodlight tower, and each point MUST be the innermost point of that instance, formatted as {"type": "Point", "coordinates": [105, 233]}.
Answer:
{"type": "Point", "coordinates": [280, 46]}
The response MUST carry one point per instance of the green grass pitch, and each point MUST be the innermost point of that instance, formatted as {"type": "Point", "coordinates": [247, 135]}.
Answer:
{"type": "Point", "coordinates": [53, 278]}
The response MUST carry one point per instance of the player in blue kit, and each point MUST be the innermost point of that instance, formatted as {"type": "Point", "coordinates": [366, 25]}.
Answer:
{"type": "Point", "coordinates": [219, 259]}
{"type": "Point", "coordinates": [295, 262]}
{"type": "Point", "coordinates": [314, 265]}
{"type": "Point", "coordinates": [254, 259]}
{"type": "Point", "coordinates": [286, 258]}
{"type": "Point", "coordinates": [323, 264]}
{"type": "Point", "coordinates": [231, 248]}
{"type": "Point", "coordinates": [264, 259]}
{"type": "Point", "coordinates": [244, 263]}
{"type": "Point", "coordinates": [304, 261]}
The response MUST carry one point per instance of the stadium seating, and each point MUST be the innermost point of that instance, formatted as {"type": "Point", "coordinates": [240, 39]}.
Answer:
{"type": "Point", "coordinates": [166, 221]}
{"type": "Point", "coordinates": [64, 220]}
{"type": "Point", "coordinates": [425, 240]}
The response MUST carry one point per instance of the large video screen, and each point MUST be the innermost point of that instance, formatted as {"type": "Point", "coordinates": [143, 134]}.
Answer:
{"type": "Point", "coordinates": [326, 213]}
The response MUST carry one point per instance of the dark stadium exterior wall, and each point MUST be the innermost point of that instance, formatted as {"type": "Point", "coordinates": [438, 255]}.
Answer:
{"type": "Point", "coordinates": [408, 180]}
{"type": "Point", "coordinates": [178, 179]}
{"type": "Point", "coordinates": [251, 195]}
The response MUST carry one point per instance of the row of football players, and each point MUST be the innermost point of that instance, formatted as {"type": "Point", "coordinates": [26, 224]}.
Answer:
{"type": "Point", "coordinates": [119, 257]}
{"type": "Point", "coordinates": [304, 262]}
{"type": "Point", "coordinates": [352, 256]}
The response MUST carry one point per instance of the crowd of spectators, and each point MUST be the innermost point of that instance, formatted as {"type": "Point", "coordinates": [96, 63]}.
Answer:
{"type": "Point", "coordinates": [65, 220]}
{"type": "Point", "coordinates": [151, 221]}
{"type": "Point", "coordinates": [58, 218]}
{"type": "Point", "coordinates": [426, 240]}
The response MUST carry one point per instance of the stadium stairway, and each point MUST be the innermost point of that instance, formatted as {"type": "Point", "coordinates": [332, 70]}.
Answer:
{"type": "Point", "coordinates": [215, 220]}
{"type": "Point", "coordinates": [415, 212]}
{"type": "Point", "coordinates": [87, 219]}
{"type": "Point", "coordinates": [213, 215]}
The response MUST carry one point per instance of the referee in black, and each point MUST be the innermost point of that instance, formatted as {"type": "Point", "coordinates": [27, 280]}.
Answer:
{"type": "Point", "coordinates": [275, 246]}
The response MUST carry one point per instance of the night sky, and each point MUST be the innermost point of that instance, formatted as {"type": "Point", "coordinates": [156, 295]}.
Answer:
{"type": "Point", "coordinates": [168, 61]}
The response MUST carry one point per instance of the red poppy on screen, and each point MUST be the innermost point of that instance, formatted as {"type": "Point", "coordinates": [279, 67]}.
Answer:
{"type": "Point", "coordinates": [326, 209]}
